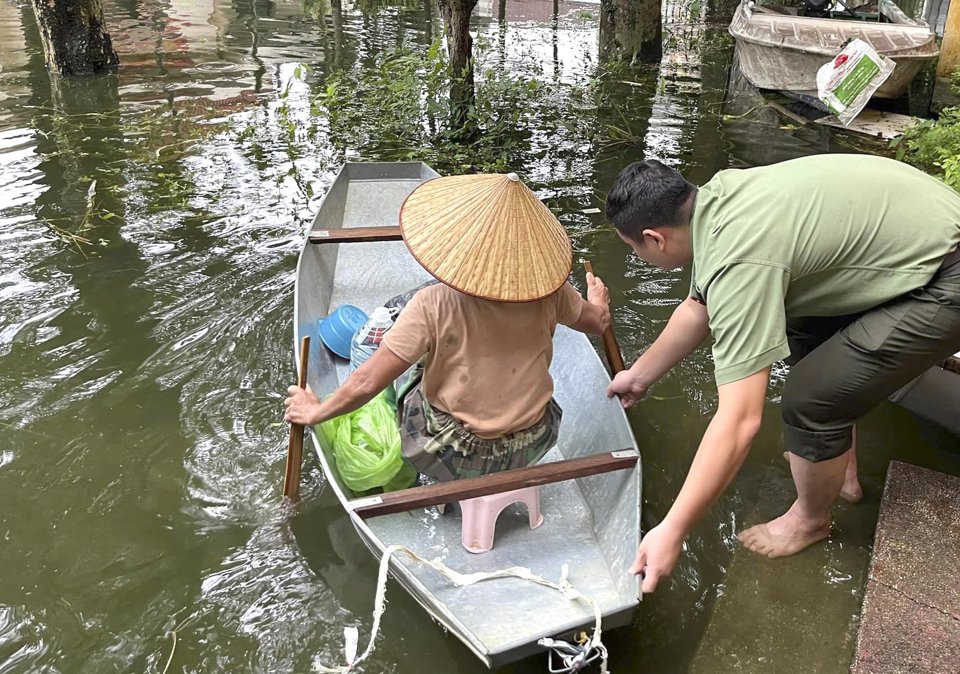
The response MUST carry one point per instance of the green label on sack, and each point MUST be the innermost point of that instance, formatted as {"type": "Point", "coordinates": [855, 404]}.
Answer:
{"type": "Point", "coordinates": [856, 80]}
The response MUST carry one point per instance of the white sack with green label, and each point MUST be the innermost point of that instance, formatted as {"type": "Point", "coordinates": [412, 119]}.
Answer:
{"type": "Point", "coordinates": [846, 83]}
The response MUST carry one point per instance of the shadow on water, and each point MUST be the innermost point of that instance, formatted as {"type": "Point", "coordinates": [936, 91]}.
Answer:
{"type": "Point", "coordinates": [150, 223]}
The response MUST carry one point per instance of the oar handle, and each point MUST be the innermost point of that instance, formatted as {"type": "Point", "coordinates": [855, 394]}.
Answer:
{"type": "Point", "coordinates": [291, 476]}
{"type": "Point", "coordinates": [610, 346]}
{"type": "Point", "coordinates": [304, 357]}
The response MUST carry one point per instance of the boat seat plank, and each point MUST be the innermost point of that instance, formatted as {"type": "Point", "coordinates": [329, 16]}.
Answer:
{"type": "Point", "coordinates": [355, 235]}
{"type": "Point", "coordinates": [494, 483]}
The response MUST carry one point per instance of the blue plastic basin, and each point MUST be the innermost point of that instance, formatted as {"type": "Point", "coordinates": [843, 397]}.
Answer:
{"type": "Point", "coordinates": [339, 328]}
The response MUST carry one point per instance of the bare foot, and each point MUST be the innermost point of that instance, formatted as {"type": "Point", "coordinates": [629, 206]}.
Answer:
{"type": "Point", "coordinates": [787, 535]}
{"type": "Point", "coordinates": [851, 491]}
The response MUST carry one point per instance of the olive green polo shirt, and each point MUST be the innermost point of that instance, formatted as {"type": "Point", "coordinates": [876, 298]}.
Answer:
{"type": "Point", "coordinates": [826, 235]}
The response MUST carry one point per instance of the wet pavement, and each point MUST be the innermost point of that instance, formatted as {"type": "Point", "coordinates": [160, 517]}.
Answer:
{"type": "Point", "coordinates": [911, 610]}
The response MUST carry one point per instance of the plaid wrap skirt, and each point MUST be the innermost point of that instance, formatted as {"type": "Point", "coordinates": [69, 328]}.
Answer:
{"type": "Point", "coordinates": [438, 445]}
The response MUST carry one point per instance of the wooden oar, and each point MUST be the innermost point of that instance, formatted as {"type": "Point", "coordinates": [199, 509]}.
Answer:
{"type": "Point", "coordinates": [291, 477]}
{"type": "Point", "coordinates": [610, 346]}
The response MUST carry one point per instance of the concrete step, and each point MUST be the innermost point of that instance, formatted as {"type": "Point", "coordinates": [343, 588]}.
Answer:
{"type": "Point", "coordinates": [911, 612]}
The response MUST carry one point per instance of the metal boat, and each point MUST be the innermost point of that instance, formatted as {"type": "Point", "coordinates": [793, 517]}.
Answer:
{"type": "Point", "coordinates": [778, 48]}
{"type": "Point", "coordinates": [591, 524]}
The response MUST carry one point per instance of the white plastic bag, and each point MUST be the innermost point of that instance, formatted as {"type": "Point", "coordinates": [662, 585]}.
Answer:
{"type": "Point", "coordinates": [846, 83]}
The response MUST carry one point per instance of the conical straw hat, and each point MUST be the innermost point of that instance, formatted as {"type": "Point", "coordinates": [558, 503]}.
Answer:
{"type": "Point", "coordinates": [487, 235]}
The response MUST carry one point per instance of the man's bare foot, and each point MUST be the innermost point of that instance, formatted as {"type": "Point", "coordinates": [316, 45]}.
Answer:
{"type": "Point", "coordinates": [851, 491]}
{"type": "Point", "coordinates": [787, 535]}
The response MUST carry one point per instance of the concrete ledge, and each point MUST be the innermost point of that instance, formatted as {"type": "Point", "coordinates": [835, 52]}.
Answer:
{"type": "Point", "coordinates": [910, 621]}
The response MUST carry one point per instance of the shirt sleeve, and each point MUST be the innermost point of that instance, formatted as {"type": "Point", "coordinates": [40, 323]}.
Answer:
{"type": "Point", "coordinates": [410, 336]}
{"type": "Point", "coordinates": [569, 305]}
{"type": "Point", "coordinates": [694, 292]}
{"type": "Point", "coordinates": [745, 303]}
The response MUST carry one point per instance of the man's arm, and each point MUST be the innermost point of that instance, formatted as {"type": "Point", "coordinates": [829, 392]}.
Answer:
{"type": "Point", "coordinates": [721, 453]}
{"type": "Point", "coordinates": [687, 328]}
{"type": "Point", "coordinates": [595, 312]}
{"type": "Point", "coordinates": [381, 369]}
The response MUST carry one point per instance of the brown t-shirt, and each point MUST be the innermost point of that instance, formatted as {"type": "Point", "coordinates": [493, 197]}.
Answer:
{"type": "Point", "coordinates": [487, 363]}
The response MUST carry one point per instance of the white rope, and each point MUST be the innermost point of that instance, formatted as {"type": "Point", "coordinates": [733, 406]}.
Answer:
{"type": "Point", "coordinates": [460, 580]}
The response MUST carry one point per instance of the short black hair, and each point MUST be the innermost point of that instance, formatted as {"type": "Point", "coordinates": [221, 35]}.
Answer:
{"type": "Point", "coordinates": [647, 194]}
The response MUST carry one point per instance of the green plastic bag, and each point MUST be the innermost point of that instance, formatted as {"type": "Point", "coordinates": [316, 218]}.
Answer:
{"type": "Point", "coordinates": [366, 445]}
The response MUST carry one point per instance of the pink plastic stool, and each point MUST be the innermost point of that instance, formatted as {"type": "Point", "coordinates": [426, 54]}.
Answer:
{"type": "Point", "coordinates": [480, 516]}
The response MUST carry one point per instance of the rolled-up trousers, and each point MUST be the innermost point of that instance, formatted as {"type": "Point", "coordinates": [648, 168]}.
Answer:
{"type": "Point", "coordinates": [843, 366]}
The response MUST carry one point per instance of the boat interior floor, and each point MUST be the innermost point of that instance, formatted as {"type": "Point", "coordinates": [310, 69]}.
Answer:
{"type": "Point", "coordinates": [565, 537]}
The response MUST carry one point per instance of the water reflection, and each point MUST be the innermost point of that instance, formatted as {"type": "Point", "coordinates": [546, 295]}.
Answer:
{"type": "Point", "coordinates": [145, 331]}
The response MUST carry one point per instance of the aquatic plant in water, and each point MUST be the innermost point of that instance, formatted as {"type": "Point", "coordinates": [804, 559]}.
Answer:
{"type": "Point", "coordinates": [398, 110]}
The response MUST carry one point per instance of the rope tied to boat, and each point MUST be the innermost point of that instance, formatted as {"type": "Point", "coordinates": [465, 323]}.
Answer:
{"type": "Point", "coordinates": [574, 657]}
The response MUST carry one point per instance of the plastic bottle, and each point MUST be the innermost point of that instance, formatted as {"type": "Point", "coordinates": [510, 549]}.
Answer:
{"type": "Point", "coordinates": [368, 339]}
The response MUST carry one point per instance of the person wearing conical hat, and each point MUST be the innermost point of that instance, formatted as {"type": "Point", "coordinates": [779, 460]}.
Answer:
{"type": "Point", "coordinates": [481, 399]}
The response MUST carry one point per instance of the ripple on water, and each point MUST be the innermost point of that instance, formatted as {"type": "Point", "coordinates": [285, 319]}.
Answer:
{"type": "Point", "coordinates": [20, 178]}
{"type": "Point", "coordinates": [266, 592]}
{"type": "Point", "coordinates": [214, 67]}
{"type": "Point", "coordinates": [21, 640]}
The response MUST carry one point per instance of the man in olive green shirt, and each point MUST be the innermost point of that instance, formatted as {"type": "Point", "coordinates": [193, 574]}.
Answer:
{"type": "Point", "coordinates": [844, 265]}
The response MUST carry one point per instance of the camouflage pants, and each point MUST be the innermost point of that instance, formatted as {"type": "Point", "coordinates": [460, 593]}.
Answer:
{"type": "Point", "coordinates": [438, 445]}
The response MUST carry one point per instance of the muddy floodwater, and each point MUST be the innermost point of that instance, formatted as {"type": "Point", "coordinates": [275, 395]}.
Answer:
{"type": "Point", "coordinates": [149, 226]}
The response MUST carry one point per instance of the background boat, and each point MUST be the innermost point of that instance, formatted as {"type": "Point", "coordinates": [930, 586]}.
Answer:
{"type": "Point", "coordinates": [779, 50]}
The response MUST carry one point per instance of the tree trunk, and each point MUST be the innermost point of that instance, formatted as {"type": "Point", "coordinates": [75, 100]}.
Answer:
{"type": "Point", "coordinates": [336, 12]}
{"type": "Point", "coordinates": [463, 98]}
{"type": "Point", "coordinates": [428, 21]}
{"type": "Point", "coordinates": [75, 41]}
{"type": "Point", "coordinates": [630, 30]}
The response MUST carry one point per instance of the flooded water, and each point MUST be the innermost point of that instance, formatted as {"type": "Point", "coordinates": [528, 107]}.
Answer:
{"type": "Point", "coordinates": [150, 222]}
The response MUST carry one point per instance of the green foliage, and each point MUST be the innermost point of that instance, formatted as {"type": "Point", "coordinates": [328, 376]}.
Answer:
{"type": "Point", "coordinates": [955, 79]}
{"type": "Point", "coordinates": [399, 110]}
{"type": "Point", "coordinates": [388, 102]}
{"type": "Point", "coordinates": [531, 116]}
{"type": "Point", "coordinates": [934, 145]}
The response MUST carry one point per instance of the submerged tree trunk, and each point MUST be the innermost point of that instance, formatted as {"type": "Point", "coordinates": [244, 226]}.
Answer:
{"type": "Point", "coordinates": [75, 40]}
{"type": "Point", "coordinates": [463, 97]}
{"type": "Point", "coordinates": [630, 30]}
